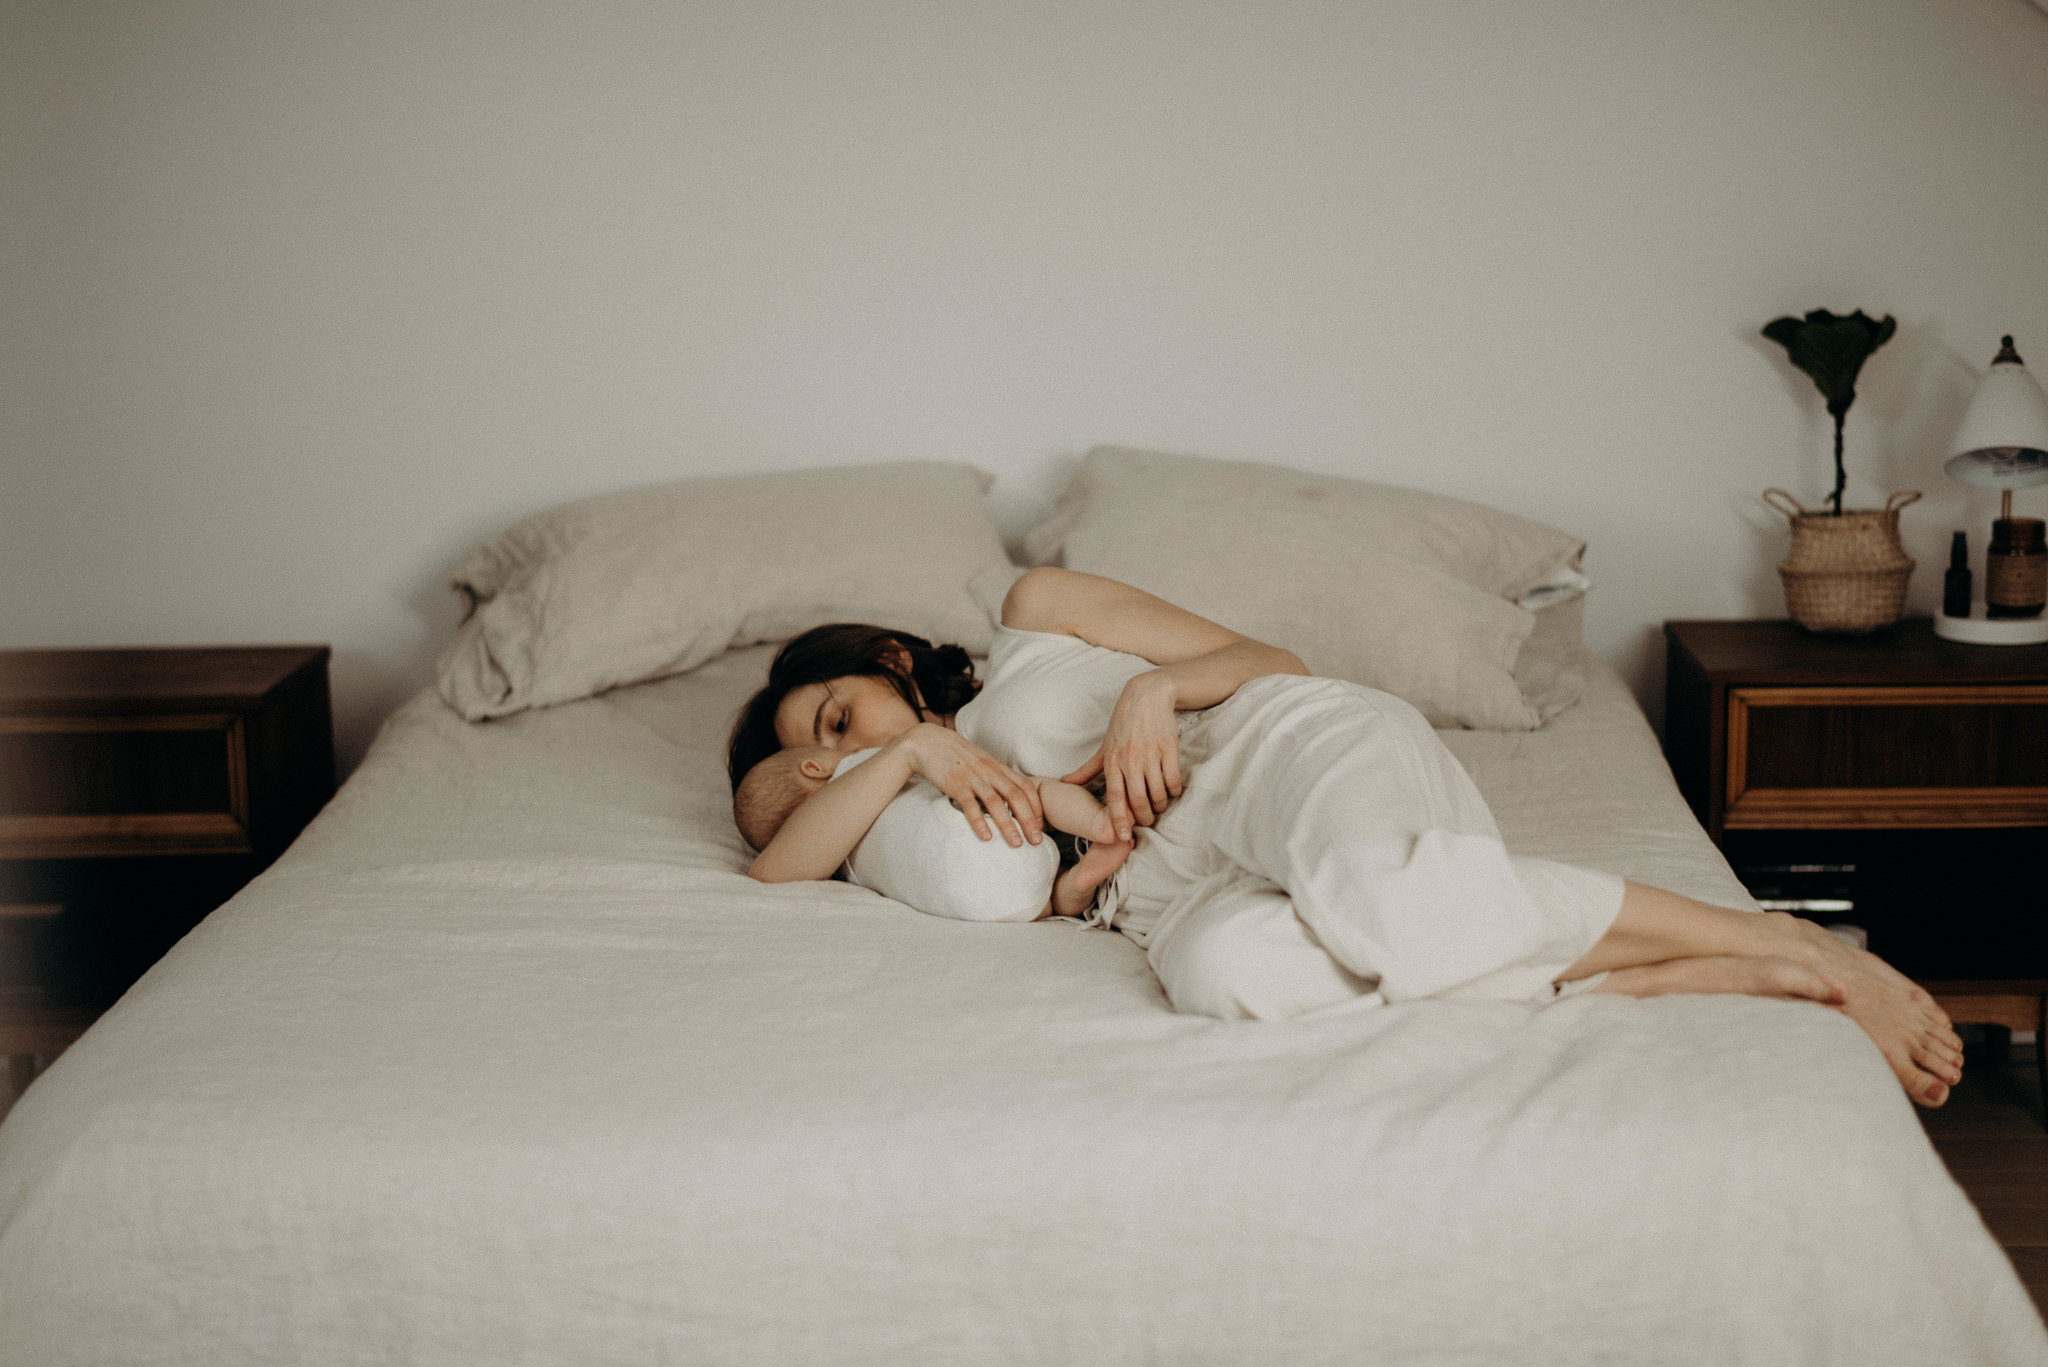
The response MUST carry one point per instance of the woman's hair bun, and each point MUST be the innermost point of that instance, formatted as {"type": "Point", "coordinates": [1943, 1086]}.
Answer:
{"type": "Point", "coordinates": [945, 676]}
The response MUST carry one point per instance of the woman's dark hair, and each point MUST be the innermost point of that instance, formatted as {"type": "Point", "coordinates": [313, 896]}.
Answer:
{"type": "Point", "coordinates": [941, 680]}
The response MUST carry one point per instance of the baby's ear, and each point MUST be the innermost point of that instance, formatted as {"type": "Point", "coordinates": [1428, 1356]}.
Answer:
{"type": "Point", "coordinates": [814, 768]}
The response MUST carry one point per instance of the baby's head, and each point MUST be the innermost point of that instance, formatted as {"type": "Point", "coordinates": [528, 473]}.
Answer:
{"type": "Point", "coordinates": [777, 786]}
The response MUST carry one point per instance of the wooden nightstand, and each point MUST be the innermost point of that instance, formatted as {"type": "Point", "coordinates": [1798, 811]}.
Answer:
{"type": "Point", "coordinates": [1905, 773]}
{"type": "Point", "coordinates": [139, 789]}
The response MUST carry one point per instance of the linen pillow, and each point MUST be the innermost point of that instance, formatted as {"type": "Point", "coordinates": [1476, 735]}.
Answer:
{"type": "Point", "coordinates": [654, 581]}
{"type": "Point", "coordinates": [1399, 589]}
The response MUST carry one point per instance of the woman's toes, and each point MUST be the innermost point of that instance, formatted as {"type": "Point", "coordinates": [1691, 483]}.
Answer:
{"type": "Point", "coordinates": [1934, 1062]}
{"type": "Point", "coordinates": [1924, 1087]}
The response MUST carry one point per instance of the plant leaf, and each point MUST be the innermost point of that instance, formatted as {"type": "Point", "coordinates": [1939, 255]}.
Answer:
{"type": "Point", "coordinates": [1832, 349]}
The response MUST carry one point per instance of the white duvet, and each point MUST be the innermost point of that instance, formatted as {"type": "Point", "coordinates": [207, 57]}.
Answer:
{"type": "Point", "coordinates": [505, 1062]}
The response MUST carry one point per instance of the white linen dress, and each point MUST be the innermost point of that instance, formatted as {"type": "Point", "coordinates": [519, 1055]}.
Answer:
{"type": "Point", "coordinates": [1327, 851]}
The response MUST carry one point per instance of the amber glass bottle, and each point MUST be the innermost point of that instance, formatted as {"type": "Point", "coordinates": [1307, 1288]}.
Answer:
{"type": "Point", "coordinates": [2016, 570]}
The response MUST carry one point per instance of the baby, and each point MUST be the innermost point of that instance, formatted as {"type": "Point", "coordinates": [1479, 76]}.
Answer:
{"type": "Point", "coordinates": [921, 851]}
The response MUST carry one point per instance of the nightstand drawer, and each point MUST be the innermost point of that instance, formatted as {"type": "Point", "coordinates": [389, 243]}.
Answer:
{"type": "Point", "coordinates": [75, 786]}
{"type": "Point", "coordinates": [1922, 756]}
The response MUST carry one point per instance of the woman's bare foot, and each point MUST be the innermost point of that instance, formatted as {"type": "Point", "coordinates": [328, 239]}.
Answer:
{"type": "Point", "coordinates": [1750, 976]}
{"type": "Point", "coordinates": [1909, 1029]}
{"type": "Point", "coordinates": [1073, 892]}
{"type": "Point", "coordinates": [1656, 927]}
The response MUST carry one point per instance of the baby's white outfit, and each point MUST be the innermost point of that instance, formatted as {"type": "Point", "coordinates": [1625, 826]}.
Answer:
{"type": "Point", "coordinates": [922, 852]}
{"type": "Point", "coordinates": [1326, 851]}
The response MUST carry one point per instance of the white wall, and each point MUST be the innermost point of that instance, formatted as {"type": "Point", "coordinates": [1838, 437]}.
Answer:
{"type": "Point", "coordinates": [298, 302]}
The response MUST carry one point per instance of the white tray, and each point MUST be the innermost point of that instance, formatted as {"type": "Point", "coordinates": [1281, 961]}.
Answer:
{"type": "Point", "coordinates": [1979, 630]}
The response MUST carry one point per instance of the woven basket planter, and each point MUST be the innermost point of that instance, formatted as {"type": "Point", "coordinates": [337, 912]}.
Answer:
{"type": "Point", "coordinates": [1846, 574]}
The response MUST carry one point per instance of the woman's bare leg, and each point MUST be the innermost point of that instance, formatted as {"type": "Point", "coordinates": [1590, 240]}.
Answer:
{"type": "Point", "coordinates": [1654, 926]}
{"type": "Point", "coordinates": [1663, 929]}
{"type": "Point", "coordinates": [1725, 973]}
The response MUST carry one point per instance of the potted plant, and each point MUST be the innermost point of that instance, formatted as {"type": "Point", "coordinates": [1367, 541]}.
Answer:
{"type": "Point", "coordinates": [1847, 571]}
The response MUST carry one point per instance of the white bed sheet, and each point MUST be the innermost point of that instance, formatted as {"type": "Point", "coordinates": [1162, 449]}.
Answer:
{"type": "Point", "coordinates": [506, 1062]}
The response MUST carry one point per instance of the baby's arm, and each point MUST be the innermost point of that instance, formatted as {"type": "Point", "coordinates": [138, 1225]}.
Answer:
{"type": "Point", "coordinates": [822, 832]}
{"type": "Point", "coordinates": [1071, 808]}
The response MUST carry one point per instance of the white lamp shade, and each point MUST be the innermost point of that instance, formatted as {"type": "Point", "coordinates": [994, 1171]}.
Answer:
{"type": "Point", "coordinates": [2003, 440]}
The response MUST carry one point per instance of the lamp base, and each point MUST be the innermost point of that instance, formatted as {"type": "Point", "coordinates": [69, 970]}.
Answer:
{"type": "Point", "coordinates": [1979, 630]}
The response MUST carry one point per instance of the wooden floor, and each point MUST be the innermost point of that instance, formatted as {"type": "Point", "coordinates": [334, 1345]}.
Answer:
{"type": "Point", "coordinates": [1992, 1138]}
{"type": "Point", "coordinates": [1991, 1135]}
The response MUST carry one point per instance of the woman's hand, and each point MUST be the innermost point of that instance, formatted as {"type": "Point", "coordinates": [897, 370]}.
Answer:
{"type": "Point", "coordinates": [1140, 755]}
{"type": "Point", "coordinates": [976, 781]}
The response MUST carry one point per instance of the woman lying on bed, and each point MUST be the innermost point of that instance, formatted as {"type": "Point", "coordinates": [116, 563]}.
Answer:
{"type": "Point", "coordinates": [1305, 842]}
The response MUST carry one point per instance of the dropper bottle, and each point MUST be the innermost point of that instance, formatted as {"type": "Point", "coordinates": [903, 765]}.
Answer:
{"type": "Point", "coordinates": [1955, 585]}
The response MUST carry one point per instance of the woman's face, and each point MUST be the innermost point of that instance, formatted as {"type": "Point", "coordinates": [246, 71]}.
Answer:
{"type": "Point", "coordinates": [846, 714]}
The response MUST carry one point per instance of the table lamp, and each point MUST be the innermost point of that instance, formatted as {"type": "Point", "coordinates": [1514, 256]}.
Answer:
{"type": "Point", "coordinates": [2003, 445]}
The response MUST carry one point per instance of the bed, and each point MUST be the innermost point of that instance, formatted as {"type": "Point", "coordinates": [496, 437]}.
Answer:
{"type": "Point", "coordinates": [507, 1062]}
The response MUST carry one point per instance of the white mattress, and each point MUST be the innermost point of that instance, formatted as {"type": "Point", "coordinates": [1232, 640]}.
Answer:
{"type": "Point", "coordinates": [506, 1062]}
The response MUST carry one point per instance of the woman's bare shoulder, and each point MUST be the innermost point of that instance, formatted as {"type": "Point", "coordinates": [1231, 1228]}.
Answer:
{"type": "Point", "coordinates": [1043, 599]}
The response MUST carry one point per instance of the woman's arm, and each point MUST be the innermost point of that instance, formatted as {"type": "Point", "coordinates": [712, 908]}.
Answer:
{"type": "Point", "coordinates": [1199, 665]}
{"type": "Point", "coordinates": [1206, 662]}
